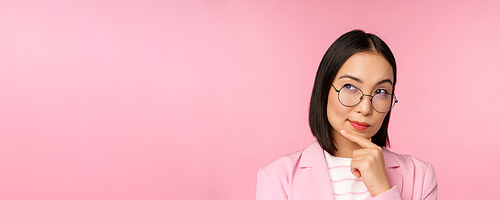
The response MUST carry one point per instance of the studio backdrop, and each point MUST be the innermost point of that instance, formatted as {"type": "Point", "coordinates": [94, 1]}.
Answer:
{"type": "Point", "coordinates": [156, 100]}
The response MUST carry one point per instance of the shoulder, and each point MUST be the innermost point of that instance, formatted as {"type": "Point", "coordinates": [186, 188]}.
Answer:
{"type": "Point", "coordinates": [419, 177]}
{"type": "Point", "coordinates": [284, 165]}
{"type": "Point", "coordinates": [276, 180]}
{"type": "Point", "coordinates": [405, 161]}
{"type": "Point", "coordinates": [306, 157]}
{"type": "Point", "coordinates": [285, 168]}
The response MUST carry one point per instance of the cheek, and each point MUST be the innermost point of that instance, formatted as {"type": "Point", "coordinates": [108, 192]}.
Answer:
{"type": "Point", "coordinates": [337, 113]}
{"type": "Point", "coordinates": [380, 119]}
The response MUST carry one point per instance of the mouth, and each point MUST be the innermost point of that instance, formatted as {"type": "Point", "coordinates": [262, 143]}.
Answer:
{"type": "Point", "coordinates": [359, 125]}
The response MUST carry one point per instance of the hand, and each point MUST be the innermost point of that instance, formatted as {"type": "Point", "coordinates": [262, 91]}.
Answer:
{"type": "Point", "coordinates": [369, 164]}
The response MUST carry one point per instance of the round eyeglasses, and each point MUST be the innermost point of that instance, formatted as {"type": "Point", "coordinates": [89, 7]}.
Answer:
{"type": "Point", "coordinates": [382, 101]}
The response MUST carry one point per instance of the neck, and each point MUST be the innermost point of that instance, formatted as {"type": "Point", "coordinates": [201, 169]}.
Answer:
{"type": "Point", "coordinates": [345, 147]}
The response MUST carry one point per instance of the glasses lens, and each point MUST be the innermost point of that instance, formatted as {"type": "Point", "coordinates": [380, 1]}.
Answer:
{"type": "Point", "coordinates": [382, 102]}
{"type": "Point", "coordinates": [350, 95]}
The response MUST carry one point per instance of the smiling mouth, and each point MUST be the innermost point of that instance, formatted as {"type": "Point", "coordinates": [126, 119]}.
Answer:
{"type": "Point", "coordinates": [359, 125]}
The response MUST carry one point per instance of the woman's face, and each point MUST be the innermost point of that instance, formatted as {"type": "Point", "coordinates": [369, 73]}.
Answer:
{"type": "Point", "coordinates": [369, 72]}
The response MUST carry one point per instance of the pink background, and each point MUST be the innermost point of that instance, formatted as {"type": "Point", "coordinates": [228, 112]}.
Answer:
{"type": "Point", "coordinates": [188, 99]}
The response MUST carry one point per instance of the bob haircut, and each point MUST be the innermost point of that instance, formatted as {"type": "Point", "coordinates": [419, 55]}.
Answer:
{"type": "Point", "coordinates": [346, 45]}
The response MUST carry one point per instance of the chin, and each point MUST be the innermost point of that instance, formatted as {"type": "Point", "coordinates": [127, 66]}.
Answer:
{"type": "Point", "coordinates": [366, 134]}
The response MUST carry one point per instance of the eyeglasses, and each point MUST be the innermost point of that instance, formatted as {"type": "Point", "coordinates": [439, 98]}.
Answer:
{"type": "Point", "coordinates": [382, 101]}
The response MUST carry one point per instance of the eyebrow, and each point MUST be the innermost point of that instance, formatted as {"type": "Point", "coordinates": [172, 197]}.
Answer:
{"type": "Point", "coordinates": [360, 81]}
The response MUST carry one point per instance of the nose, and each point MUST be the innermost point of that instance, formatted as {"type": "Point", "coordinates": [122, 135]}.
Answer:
{"type": "Point", "coordinates": [365, 106]}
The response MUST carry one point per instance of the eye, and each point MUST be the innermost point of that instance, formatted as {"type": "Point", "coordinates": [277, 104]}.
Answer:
{"type": "Point", "coordinates": [349, 87]}
{"type": "Point", "coordinates": [381, 92]}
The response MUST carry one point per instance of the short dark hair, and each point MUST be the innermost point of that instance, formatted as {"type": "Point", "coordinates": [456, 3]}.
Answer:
{"type": "Point", "coordinates": [345, 46]}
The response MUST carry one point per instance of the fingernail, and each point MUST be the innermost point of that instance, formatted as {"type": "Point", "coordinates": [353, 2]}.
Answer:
{"type": "Point", "coordinates": [343, 132]}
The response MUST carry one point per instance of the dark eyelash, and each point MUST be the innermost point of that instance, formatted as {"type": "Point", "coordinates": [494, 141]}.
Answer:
{"type": "Point", "coordinates": [379, 91]}
{"type": "Point", "coordinates": [348, 84]}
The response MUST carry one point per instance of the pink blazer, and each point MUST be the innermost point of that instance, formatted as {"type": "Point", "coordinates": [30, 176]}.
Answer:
{"type": "Point", "coordinates": [304, 175]}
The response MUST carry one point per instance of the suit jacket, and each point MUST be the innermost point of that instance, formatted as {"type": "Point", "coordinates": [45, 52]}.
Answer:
{"type": "Point", "coordinates": [304, 175]}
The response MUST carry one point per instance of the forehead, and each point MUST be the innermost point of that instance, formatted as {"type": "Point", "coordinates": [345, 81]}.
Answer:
{"type": "Point", "coordinates": [369, 67]}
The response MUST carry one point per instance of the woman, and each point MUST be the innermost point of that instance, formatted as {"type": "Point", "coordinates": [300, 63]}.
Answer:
{"type": "Point", "coordinates": [349, 114]}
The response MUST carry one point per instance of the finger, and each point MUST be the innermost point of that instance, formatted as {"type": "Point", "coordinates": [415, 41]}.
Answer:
{"type": "Point", "coordinates": [355, 172]}
{"type": "Point", "coordinates": [363, 142]}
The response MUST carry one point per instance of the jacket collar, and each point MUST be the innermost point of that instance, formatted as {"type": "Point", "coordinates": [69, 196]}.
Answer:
{"type": "Point", "coordinates": [312, 156]}
{"type": "Point", "coordinates": [390, 159]}
{"type": "Point", "coordinates": [314, 178]}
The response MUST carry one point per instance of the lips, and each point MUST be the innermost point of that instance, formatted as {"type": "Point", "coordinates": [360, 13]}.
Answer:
{"type": "Point", "coordinates": [359, 125]}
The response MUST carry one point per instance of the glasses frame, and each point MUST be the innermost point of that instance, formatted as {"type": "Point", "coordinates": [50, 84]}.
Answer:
{"type": "Point", "coordinates": [371, 99]}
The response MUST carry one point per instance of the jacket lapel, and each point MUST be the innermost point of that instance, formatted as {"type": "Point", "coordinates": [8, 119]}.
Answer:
{"type": "Point", "coordinates": [314, 179]}
{"type": "Point", "coordinates": [391, 165]}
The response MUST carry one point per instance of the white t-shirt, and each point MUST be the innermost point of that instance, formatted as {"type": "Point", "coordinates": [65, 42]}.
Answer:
{"type": "Point", "coordinates": [345, 185]}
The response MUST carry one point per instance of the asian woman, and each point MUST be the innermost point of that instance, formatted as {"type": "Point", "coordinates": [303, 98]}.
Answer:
{"type": "Point", "coordinates": [351, 103]}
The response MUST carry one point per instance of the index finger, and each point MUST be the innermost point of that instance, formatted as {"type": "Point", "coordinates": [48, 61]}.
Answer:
{"type": "Point", "coordinates": [363, 142]}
